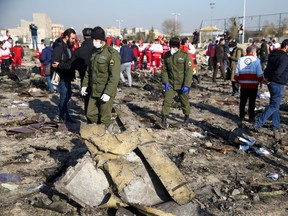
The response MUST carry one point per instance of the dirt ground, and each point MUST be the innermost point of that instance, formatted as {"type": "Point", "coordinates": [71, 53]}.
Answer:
{"type": "Point", "coordinates": [226, 180]}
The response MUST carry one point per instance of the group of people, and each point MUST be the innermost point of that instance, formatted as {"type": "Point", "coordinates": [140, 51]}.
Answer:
{"type": "Point", "coordinates": [265, 64]}
{"type": "Point", "coordinates": [101, 68]}
{"type": "Point", "coordinates": [11, 54]}
{"type": "Point", "coordinates": [153, 55]}
{"type": "Point", "coordinates": [99, 83]}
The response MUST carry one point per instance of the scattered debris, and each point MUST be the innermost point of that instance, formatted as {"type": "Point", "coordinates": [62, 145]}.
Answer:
{"type": "Point", "coordinates": [226, 101]}
{"type": "Point", "coordinates": [9, 177]}
{"type": "Point", "coordinates": [250, 144]}
{"type": "Point", "coordinates": [273, 176]}
{"type": "Point", "coordinates": [264, 95]}
{"type": "Point", "coordinates": [10, 186]}
{"type": "Point", "coordinates": [199, 135]}
{"type": "Point", "coordinates": [224, 150]}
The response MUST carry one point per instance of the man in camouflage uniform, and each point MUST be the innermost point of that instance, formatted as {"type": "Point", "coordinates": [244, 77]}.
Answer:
{"type": "Point", "coordinates": [235, 54]}
{"type": "Point", "coordinates": [177, 78]}
{"type": "Point", "coordinates": [102, 76]}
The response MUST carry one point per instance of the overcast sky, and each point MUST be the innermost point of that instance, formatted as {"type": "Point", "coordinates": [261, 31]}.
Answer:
{"type": "Point", "coordinates": [145, 13]}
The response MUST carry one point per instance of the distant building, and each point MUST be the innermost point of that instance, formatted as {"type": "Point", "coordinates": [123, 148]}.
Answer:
{"type": "Point", "coordinates": [114, 31]}
{"type": "Point", "coordinates": [209, 32]}
{"type": "Point", "coordinates": [56, 30]}
{"type": "Point", "coordinates": [45, 28]}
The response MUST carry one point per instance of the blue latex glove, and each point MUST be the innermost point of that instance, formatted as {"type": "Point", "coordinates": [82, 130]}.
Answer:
{"type": "Point", "coordinates": [167, 86]}
{"type": "Point", "coordinates": [184, 89]}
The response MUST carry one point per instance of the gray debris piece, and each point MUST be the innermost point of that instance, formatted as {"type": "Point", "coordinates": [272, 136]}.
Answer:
{"type": "Point", "coordinates": [84, 183]}
{"type": "Point", "coordinates": [179, 210]}
{"type": "Point", "coordinates": [145, 188]}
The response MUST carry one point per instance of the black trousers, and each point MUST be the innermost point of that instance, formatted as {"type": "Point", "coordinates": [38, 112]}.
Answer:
{"type": "Point", "coordinates": [245, 94]}
{"type": "Point", "coordinates": [216, 68]}
{"type": "Point", "coordinates": [5, 65]}
{"type": "Point", "coordinates": [211, 63]}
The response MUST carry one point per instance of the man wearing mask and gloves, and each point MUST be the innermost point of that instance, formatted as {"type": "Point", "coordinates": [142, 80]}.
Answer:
{"type": "Point", "coordinates": [102, 76]}
{"type": "Point", "coordinates": [177, 78]}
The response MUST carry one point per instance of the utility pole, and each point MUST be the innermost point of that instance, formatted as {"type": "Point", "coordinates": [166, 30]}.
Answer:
{"type": "Point", "coordinates": [244, 17]}
{"type": "Point", "coordinates": [259, 27]}
{"type": "Point", "coordinates": [280, 17]}
{"type": "Point", "coordinates": [119, 25]}
{"type": "Point", "coordinates": [175, 22]}
{"type": "Point", "coordinates": [212, 5]}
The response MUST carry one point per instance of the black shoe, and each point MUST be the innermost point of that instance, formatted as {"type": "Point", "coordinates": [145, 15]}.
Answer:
{"type": "Point", "coordinates": [274, 129]}
{"type": "Point", "coordinates": [186, 120]}
{"type": "Point", "coordinates": [69, 119]}
{"type": "Point", "coordinates": [164, 122]}
{"type": "Point", "coordinates": [198, 78]}
{"type": "Point", "coordinates": [235, 94]}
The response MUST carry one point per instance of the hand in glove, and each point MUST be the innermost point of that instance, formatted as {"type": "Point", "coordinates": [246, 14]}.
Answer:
{"type": "Point", "coordinates": [184, 89]}
{"type": "Point", "coordinates": [167, 86]}
{"type": "Point", "coordinates": [105, 98]}
{"type": "Point", "coordinates": [83, 91]}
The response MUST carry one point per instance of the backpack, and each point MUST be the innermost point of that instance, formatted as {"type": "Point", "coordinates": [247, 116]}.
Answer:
{"type": "Point", "coordinates": [212, 50]}
{"type": "Point", "coordinates": [236, 49]}
{"type": "Point", "coordinates": [56, 42]}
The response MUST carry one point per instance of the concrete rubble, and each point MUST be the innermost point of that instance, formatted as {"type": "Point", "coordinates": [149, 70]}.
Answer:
{"type": "Point", "coordinates": [128, 165]}
{"type": "Point", "coordinates": [84, 183]}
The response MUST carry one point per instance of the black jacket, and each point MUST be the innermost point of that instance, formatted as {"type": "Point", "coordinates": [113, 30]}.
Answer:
{"type": "Point", "coordinates": [61, 54]}
{"type": "Point", "coordinates": [277, 67]}
{"type": "Point", "coordinates": [220, 53]}
{"type": "Point", "coordinates": [126, 54]}
{"type": "Point", "coordinates": [82, 55]}
{"type": "Point", "coordinates": [263, 52]}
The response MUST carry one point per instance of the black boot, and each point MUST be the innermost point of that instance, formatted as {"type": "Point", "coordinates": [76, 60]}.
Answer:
{"type": "Point", "coordinates": [237, 87]}
{"type": "Point", "coordinates": [233, 88]}
{"type": "Point", "coordinates": [186, 120]}
{"type": "Point", "coordinates": [164, 122]}
{"type": "Point", "coordinates": [197, 77]}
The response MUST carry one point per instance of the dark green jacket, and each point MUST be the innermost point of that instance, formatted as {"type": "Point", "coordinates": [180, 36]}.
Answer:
{"type": "Point", "coordinates": [177, 69]}
{"type": "Point", "coordinates": [237, 53]}
{"type": "Point", "coordinates": [103, 74]}
{"type": "Point", "coordinates": [264, 52]}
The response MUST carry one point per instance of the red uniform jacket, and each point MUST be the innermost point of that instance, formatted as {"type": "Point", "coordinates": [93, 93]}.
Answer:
{"type": "Point", "coordinates": [109, 41]}
{"type": "Point", "coordinates": [18, 52]}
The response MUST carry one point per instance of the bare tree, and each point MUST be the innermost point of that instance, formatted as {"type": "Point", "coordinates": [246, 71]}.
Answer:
{"type": "Point", "coordinates": [283, 28]}
{"type": "Point", "coordinates": [140, 35]}
{"type": "Point", "coordinates": [178, 29]}
{"type": "Point", "coordinates": [170, 27]}
{"type": "Point", "coordinates": [269, 30]}
{"type": "Point", "coordinates": [233, 29]}
{"type": "Point", "coordinates": [151, 35]}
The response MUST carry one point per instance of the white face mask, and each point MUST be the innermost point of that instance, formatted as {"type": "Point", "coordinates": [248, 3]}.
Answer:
{"type": "Point", "coordinates": [97, 44]}
{"type": "Point", "coordinates": [173, 50]}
